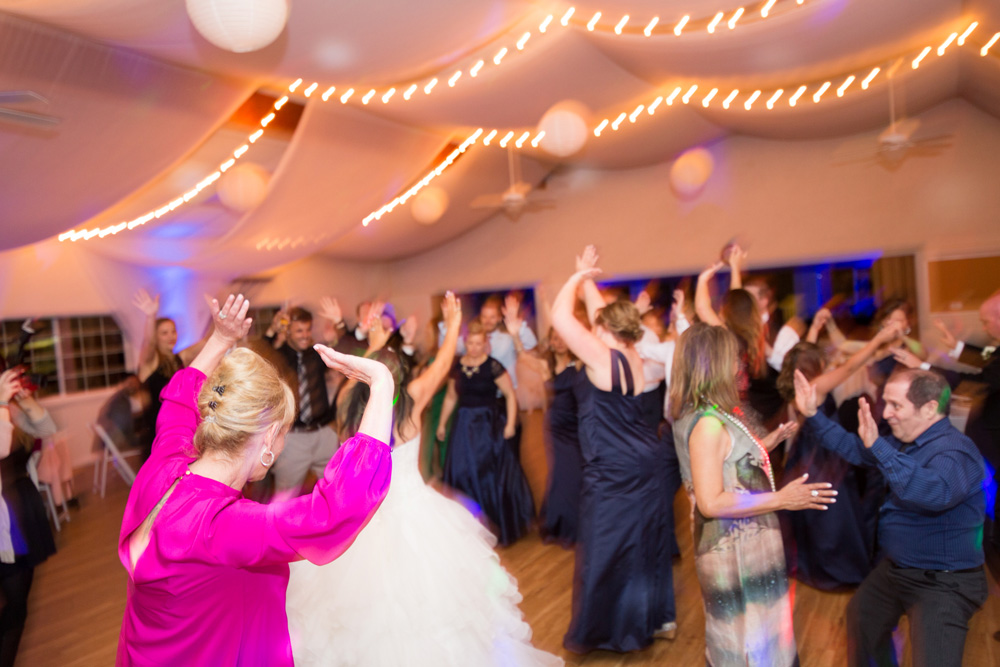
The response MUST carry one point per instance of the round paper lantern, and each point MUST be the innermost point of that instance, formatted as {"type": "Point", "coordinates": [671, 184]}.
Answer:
{"type": "Point", "coordinates": [243, 186]}
{"type": "Point", "coordinates": [565, 127]}
{"type": "Point", "coordinates": [239, 25]}
{"type": "Point", "coordinates": [691, 171]}
{"type": "Point", "coordinates": [429, 205]}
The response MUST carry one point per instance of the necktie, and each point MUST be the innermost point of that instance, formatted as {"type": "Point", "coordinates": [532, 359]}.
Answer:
{"type": "Point", "coordinates": [305, 409]}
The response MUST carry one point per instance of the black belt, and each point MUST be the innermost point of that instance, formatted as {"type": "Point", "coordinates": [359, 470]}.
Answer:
{"type": "Point", "coordinates": [968, 570]}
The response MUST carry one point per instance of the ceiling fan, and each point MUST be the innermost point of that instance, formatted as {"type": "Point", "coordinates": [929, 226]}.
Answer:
{"type": "Point", "coordinates": [12, 98]}
{"type": "Point", "coordinates": [898, 141]}
{"type": "Point", "coordinates": [515, 199]}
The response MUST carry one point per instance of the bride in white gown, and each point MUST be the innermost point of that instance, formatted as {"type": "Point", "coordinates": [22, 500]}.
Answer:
{"type": "Point", "coordinates": [421, 585]}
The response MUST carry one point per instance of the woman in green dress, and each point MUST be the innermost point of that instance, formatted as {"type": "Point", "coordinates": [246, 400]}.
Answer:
{"type": "Point", "coordinates": [727, 472]}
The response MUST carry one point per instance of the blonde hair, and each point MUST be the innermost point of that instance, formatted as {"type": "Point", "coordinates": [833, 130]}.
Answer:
{"type": "Point", "coordinates": [621, 320]}
{"type": "Point", "coordinates": [704, 371]}
{"type": "Point", "coordinates": [242, 398]}
{"type": "Point", "coordinates": [475, 328]}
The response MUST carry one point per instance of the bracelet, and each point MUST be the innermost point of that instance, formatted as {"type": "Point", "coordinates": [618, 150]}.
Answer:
{"type": "Point", "coordinates": [4, 404]}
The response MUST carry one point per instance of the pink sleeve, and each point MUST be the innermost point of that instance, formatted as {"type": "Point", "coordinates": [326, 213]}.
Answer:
{"type": "Point", "coordinates": [317, 527]}
{"type": "Point", "coordinates": [178, 418]}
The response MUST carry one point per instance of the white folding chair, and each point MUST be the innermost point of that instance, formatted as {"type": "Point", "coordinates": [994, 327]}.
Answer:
{"type": "Point", "coordinates": [46, 491]}
{"type": "Point", "coordinates": [111, 455]}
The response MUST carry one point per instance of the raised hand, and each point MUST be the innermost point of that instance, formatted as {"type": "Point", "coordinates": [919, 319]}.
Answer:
{"type": "Point", "coordinates": [711, 270]}
{"type": "Point", "coordinates": [10, 384]}
{"type": "Point", "coordinates": [867, 428]}
{"type": "Point", "coordinates": [905, 357]}
{"type": "Point", "coordinates": [587, 260]}
{"type": "Point", "coordinates": [779, 435]}
{"type": "Point", "coordinates": [408, 329]}
{"type": "Point", "coordinates": [329, 309]}
{"type": "Point", "coordinates": [148, 305]}
{"type": "Point", "coordinates": [378, 336]}
{"type": "Point", "coordinates": [451, 309]}
{"type": "Point", "coordinates": [231, 321]}
{"type": "Point", "coordinates": [643, 302]}
{"type": "Point", "coordinates": [891, 332]}
{"type": "Point", "coordinates": [511, 318]}
{"type": "Point", "coordinates": [805, 395]}
{"type": "Point", "coordinates": [797, 495]}
{"type": "Point", "coordinates": [947, 337]}
{"type": "Point", "coordinates": [357, 368]}
{"type": "Point", "coordinates": [737, 256]}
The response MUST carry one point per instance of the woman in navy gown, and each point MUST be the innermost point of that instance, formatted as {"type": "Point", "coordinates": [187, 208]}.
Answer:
{"type": "Point", "coordinates": [622, 581]}
{"type": "Point", "coordinates": [561, 506]}
{"type": "Point", "coordinates": [481, 463]}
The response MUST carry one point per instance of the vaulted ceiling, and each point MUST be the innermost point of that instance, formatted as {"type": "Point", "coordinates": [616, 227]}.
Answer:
{"type": "Point", "coordinates": [147, 107]}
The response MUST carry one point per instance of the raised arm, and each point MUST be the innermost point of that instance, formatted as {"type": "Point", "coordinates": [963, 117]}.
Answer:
{"type": "Point", "coordinates": [147, 351]}
{"type": "Point", "coordinates": [703, 298]}
{"type": "Point", "coordinates": [709, 445]}
{"type": "Point", "coordinates": [422, 388]}
{"type": "Point", "coordinates": [592, 298]}
{"type": "Point", "coordinates": [831, 435]}
{"type": "Point", "coordinates": [376, 422]}
{"type": "Point", "coordinates": [829, 380]}
{"type": "Point", "coordinates": [737, 260]}
{"type": "Point", "coordinates": [584, 344]}
{"type": "Point", "coordinates": [333, 320]}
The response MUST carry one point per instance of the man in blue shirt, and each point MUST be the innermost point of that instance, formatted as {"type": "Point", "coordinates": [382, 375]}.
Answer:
{"type": "Point", "coordinates": [930, 526]}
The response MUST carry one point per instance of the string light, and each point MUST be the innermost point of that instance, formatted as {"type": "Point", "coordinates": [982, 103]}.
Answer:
{"type": "Point", "coordinates": [680, 25]}
{"type": "Point", "coordinates": [506, 139]}
{"type": "Point", "coordinates": [430, 86]}
{"type": "Point", "coordinates": [266, 119]}
{"type": "Point", "coordinates": [489, 137]}
{"type": "Point", "coordinates": [296, 84]}
{"type": "Point", "coordinates": [648, 30]}
{"type": "Point", "coordinates": [475, 68]}
{"type": "Point", "coordinates": [923, 54]}
{"type": "Point", "coordinates": [689, 93]}
{"type": "Point", "coordinates": [673, 95]}
{"type": "Point", "coordinates": [566, 17]}
{"type": "Point", "coordinates": [309, 91]}
{"type": "Point", "coordinates": [729, 100]}
{"type": "Point", "coordinates": [708, 98]}
{"type": "Point", "coordinates": [843, 87]}
{"type": "Point", "coordinates": [767, 8]}
{"type": "Point", "coordinates": [986, 49]}
{"type": "Point", "coordinates": [520, 140]}
{"type": "Point", "coordinates": [545, 24]}
{"type": "Point", "coordinates": [329, 91]}
{"type": "Point", "coordinates": [868, 79]}
{"type": "Point", "coordinates": [793, 100]}
{"type": "Point", "coordinates": [280, 103]}
{"type": "Point", "coordinates": [735, 17]}
{"type": "Point", "coordinates": [618, 121]}
{"type": "Point", "coordinates": [524, 40]}
{"type": "Point", "coordinates": [454, 78]}
{"type": "Point", "coordinates": [368, 96]}
{"type": "Point", "coordinates": [346, 96]}
{"type": "Point", "coordinates": [499, 56]}
{"type": "Point", "coordinates": [819, 93]}
{"type": "Point", "coordinates": [652, 105]}
{"type": "Point", "coordinates": [600, 128]}
{"type": "Point", "coordinates": [968, 31]}
{"type": "Point", "coordinates": [593, 22]}
{"type": "Point", "coordinates": [751, 100]}
{"type": "Point", "coordinates": [388, 95]}
{"type": "Point", "coordinates": [537, 139]}
{"type": "Point", "coordinates": [635, 113]}
{"type": "Point", "coordinates": [408, 93]}
{"type": "Point", "coordinates": [425, 181]}
{"type": "Point", "coordinates": [944, 46]}
{"type": "Point", "coordinates": [774, 98]}
{"type": "Point", "coordinates": [621, 24]}
{"type": "Point", "coordinates": [715, 22]}
{"type": "Point", "coordinates": [255, 136]}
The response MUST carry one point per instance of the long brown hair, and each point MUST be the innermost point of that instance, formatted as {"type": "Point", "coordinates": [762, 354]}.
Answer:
{"type": "Point", "coordinates": [742, 316]}
{"type": "Point", "coordinates": [704, 371]}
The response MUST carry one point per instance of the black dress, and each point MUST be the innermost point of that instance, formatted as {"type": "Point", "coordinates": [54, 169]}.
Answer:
{"type": "Point", "coordinates": [155, 384]}
{"type": "Point", "coordinates": [561, 506]}
{"type": "Point", "coordinates": [833, 548]}
{"type": "Point", "coordinates": [623, 581]}
{"type": "Point", "coordinates": [480, 463]}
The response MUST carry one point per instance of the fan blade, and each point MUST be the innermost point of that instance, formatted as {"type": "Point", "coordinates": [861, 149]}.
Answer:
{"type": "Point", "coordinates": [943, 140]}
{"type": "Point", "coordinates": [487, 201]}
{"type": "Point", "coordinates": [29, 118]}
{"type": "Point", "coordinates": [20, 97]}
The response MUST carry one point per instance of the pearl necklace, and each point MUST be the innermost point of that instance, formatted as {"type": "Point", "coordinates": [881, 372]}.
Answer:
{"type": "Point", "coordinates": [765, 460]}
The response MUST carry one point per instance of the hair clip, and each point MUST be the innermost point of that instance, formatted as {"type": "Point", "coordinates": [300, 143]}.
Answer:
{"type": "Point", "coordinates": [213, 404]}
{"type": "Point", "coordinates": [209, 419]}
{"type": "Point", "coordinates": [219, 389]}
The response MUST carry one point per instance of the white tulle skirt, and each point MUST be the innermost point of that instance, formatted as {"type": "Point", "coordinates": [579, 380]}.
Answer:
{"type": "Point", "coordinates": [421, 586]}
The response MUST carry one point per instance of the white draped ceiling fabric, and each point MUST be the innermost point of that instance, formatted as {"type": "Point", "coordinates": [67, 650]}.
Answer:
{"type": "Point", "coordinates": [143, 97]}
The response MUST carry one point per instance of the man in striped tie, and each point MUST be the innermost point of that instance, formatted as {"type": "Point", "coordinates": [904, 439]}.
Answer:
{"type": "Point", "coordinates": [311, 441]}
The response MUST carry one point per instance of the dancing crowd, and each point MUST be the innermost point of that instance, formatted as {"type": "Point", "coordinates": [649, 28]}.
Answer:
{"type": "Point", "coordinates": [281, 515]}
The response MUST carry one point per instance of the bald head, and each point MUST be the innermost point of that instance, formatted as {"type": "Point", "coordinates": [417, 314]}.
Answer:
{"type": "Point", "coordinates": [989, 315]}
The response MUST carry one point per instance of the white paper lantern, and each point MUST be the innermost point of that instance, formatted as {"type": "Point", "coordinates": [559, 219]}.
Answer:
{"type": "Point", "coordinates": [565, 127]}
{"type": "Point", "coordinates": [691, 171]}
{"type": "Point", "coordinates": [243, 187]}
{"type": "Point", "coordinates": [239, 25]}
{"type": "Point", "coordinates": [429, 205]}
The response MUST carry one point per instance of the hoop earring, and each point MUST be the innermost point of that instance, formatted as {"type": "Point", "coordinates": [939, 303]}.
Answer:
{"type": "Point", "coordinates": [267, 464]}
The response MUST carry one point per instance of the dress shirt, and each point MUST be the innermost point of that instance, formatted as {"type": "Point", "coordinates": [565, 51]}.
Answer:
{"type": "Point", "coordinates": [933, 515]}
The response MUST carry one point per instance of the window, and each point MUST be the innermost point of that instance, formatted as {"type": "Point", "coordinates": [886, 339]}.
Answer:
{"type": "Point", "coordinates": [68, 355]}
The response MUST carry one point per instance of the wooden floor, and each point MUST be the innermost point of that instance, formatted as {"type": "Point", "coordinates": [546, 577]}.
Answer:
{"type": "Point", "coordinates": [79, 595]}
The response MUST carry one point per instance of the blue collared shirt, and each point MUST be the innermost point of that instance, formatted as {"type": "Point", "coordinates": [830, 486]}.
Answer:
{"type": "Point", "coordinates": [933, 515]}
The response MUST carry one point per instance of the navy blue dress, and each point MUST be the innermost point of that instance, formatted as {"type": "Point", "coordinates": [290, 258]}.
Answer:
{"type": "Point", "coordinates": [480, 463]}
{"type": "Point", "coordinates": [623, 582]}
{"type": "Point", "coordinates": [833, 548]}
{"type": "Point", "coordinates": [561, 506]}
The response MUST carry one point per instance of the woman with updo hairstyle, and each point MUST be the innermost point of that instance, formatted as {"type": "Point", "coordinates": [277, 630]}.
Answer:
{"type": "Point", "coordinates": [726, 469]}
{"type": "Point", "coordinates": [622, 581]}
{"type": "Point", "coordinates": [208, 568]}
{"type": "Point", "coordinates": [482, 462]}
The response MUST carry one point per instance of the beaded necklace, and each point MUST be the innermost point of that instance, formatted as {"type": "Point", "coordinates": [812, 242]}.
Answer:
{"type": "Point", "coordinates": [765, 459]}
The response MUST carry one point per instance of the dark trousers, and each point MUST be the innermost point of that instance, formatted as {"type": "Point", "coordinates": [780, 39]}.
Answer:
{"type": "Point", "coordinates": [937, 604]}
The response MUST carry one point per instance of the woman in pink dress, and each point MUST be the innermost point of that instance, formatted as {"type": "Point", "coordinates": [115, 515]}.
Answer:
{"type": "Point", "coordinates": [208, 568]}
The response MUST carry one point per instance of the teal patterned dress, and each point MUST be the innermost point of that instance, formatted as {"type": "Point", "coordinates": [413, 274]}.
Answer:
{"type": "Point", "coordinates": [740, 562]}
